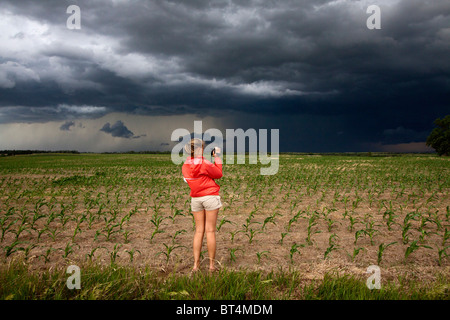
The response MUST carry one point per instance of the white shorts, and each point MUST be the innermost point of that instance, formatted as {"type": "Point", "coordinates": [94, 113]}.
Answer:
{"type": "Point", "coordinates": [205, 203]}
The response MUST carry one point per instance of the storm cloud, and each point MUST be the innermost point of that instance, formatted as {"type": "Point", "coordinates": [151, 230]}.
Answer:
{"type": "Point", "coordinates": [310, 68]}
{"type": "Point", "coordinates": [118, 129]}
{"type": "Point", "coordinates": [66, 126]}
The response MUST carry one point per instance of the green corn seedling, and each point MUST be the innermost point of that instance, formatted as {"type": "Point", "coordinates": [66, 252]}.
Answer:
{"type": "Point", "coordinates": [358, 234]}
{"type": "Point", "coordinates": [261, 254]}
{"type": "Point", "coordinates": [442, 254]}
{"type": "Point", "coordinates": [406, 233]}
{"type": "Point", "coordinates": [114, 253]}
{"type": "Point", "coordinates": [390, 219]}
{"type": "Point", "coordinates": [413, 247]}
{"type": "Point", "coordinates": [381, 249]}
{"type": "Point", "coordinates": [355, 253]}
{"type": "Point", "coordinates": [169, 249]}
{"type": "Point", "coordinates": [68, 250]}
{"type": "Point", "coordinates": [283, 234]}
{"type": "Point", "coordinates": [353, 221]}
{"type": "Point", "coordinates": [332, 245]}
{"type": "Point", "coordinates": [233, 254]}
{"type": "Point", "coordinates": [222, 222]}
{"type": "Point", "coordinates": [310, 231]}
{"type": "Point", "coordinates": [233, 234]}
{"type": "Point", "coordinates": [251, 234]}
{"type": "Point", "coordinates": [131, 253]}
{"type": "Point", "coordinates": [13, 247]}
{"type": "Point", "coordinates": [445, 236]}
{"type": "Point", "coordinates": [46, 255]}
{"type": "Point", "coordinates": [269, 219]}
{"type": "Point", "coordinates": [293, 250]}
{"type": "Point", "coordinates": [90, 255]}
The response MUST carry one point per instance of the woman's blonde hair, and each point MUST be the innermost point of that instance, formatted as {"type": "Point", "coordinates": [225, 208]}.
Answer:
{"type": "Point", "coordinates": [193, 146]}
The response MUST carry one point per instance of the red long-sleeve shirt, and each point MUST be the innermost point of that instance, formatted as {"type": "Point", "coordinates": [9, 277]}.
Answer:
{"type": "Point", "coordinates": [200, 173]}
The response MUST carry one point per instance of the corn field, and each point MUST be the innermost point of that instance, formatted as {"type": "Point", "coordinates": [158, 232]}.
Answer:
{"type": "Point", "coordinates": [318, 213]}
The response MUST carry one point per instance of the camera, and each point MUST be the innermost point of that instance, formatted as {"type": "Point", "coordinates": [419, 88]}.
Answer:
{"type": "Point", "coordinates": [213, 151]}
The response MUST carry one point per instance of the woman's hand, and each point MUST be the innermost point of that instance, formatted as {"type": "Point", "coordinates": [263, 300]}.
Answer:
{"type": "Point", "coordinates": [216, 152]}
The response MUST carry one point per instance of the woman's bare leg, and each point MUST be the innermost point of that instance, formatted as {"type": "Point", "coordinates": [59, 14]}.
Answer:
{"type": "Point", "coordinates": [199, 218]}
{"type": "Point", "coordinates": [210, 228]}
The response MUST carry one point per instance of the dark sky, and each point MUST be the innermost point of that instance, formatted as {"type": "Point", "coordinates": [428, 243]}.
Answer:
{"type": "Point", "coordinates": [137, 70]}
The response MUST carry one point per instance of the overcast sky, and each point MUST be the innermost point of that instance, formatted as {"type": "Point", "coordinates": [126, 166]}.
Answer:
{"type": "Point", "coordinates": [137, 70]}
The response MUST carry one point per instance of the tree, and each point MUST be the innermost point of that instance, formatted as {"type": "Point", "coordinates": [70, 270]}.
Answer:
{"type": "Point", "coordinates": [439, 138]}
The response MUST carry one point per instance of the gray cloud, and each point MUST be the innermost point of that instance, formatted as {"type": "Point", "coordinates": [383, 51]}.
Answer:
{"type": "Point", "coordinates": [66, 126]}
{"type": "Point", "coordinates": [296, 60]}
{"type": "Point", "coordinates": [118, 129]}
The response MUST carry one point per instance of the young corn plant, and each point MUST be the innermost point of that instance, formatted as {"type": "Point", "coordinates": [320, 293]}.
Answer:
{"type": "Point", "coordinates": [114, 253]}
{"type": "Point", "coordinates": [131, 253]}
{"type": "Point", "coordinates": [261, 254]}
{"type": "Point", "coordinates": [24, 226]}
{"type": "Point", "coordinates": [251, 234]}
{"type": "Point", "coordinates": [169, 250]}
{"type": "Point", "coordinates": [332, 245]}
{"type": "Point", "coordinates": [249, 222]}
{"type": "Point", "coordinates": [371, 231]}
{"type": "Point", "coordinates": [310, 229]}
{"type": "Point", "coordinates": [126, 235]}
{"type": "Point", "coordinates": [283, 235]}
{"type": "Point", "coordinates": [37, 213]}
{"type": "Point", "coordinates": [27, 250]}
{"type": "Point", "coordinates": [293, 250]}
{"type": "Point", "coordinates": [413, 247]}
{"type": "Point", "coordinates": [356, 251]}
{"type": "Point", "coordinates": [157, 221]}
{"type": "Point", "coordinates": [222, 222]}
{"type": "Point", "coordinates": [405, 232]}
{"type": "Point", "coordinates": [358, 234]}
{"type": "Point", "coordinates": [445, 236]}
{"type": "Point", "coordinates": [177, 233]}
{"type": "Point", "coordinates": [90, 255]}
{"type": "Point", "coordinates": [68, 249]}
{"type": "Point", "coordinates": [176, 213]}
{"type": "Point", "coordinates": [46, 255]}
{"type": "Point", "coordinates": [233, 254]}
{"type": "Point", "coordinates": [293, 220]}
{"type": "Point", "coordinates": [6, 226]}
{"type": "Point", "coordinates": [53, 233]}
{"type": "Point", "coordinates": [352, 221]}
{"type": "Point", "coordinates": [233, 234]}
{"type": "Point", "coordinates": [330, 223]}
{"type": "Point", "coordinates": [13, 247]}
{"type": "Point", "coordinates": [108, 231]}
{"type": "Point", "coordinates": [389, 217]}
{"type": "Point", "coordinates": [269, 219]}
{"type": "Point", "coordinates": [423, 234]}
{"type": "Point", "coordinates": [381, 249]}
{"type": "Point", "coordinates": [436, 220]}
{"type": "Point", "coordinates": [442, 254]}
{"type": "Point", "coordinates": [40, 232]}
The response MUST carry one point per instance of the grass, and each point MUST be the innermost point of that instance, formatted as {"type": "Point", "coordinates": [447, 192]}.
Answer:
{"type": "Point", "coordinates": [128, 283]}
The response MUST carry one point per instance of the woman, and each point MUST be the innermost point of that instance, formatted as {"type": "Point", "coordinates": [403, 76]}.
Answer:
{"type": "Point", "coordinates": [199, 173]}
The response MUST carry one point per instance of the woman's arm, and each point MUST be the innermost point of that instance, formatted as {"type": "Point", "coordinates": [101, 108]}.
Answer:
{"type": "Point", "coordinates": [214, 170]}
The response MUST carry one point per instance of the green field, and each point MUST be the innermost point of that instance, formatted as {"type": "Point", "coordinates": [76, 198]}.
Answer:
{"type": "Point", "coordinates": [309, 231]}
